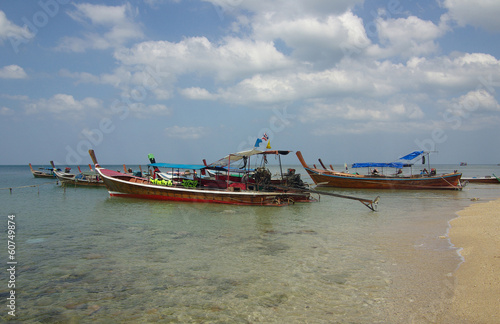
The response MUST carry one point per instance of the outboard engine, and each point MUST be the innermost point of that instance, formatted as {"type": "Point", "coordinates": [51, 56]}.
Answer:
{"type": "Point", "coordinates": [262, 176]}
{"type": "Point", "coordinates": [293, 179]}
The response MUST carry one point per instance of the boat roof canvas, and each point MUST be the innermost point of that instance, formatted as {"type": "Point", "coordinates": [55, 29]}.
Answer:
{"type": "Point", "coordinates": [397, 165]}
{"type": "Point", "coordinates": [234, 157]}
{"type": "Point", "coordinates": [412, 155]}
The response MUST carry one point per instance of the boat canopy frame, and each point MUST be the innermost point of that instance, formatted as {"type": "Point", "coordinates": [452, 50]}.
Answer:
{"type": "Point", "coordinates": [404, 161]}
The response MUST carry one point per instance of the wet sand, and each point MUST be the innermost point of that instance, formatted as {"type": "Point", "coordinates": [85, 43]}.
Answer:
{"type": "Point", "coordinates": [477, 294]}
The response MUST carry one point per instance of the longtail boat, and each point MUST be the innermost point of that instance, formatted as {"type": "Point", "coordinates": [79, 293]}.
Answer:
{"type": "Point", "coordinates": [377, 180]}
{"type": "Point", "coordinates": [198, 188]}
{"type": "Point", "coordinates": [486, 180]}
{"type": "Point", "coordinates": [47, 173]}
{"type": "Point", "coordinates": [83, 178]}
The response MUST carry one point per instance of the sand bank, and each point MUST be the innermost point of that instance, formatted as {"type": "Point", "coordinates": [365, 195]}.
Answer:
{"type": "Point", "coordinates": [477, 232]}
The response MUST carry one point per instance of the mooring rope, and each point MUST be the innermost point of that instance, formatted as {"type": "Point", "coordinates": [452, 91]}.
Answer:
{"type": "Point", "coordinates": [29, 186]}
{"type": "Point", "coordinates": [456, 187]}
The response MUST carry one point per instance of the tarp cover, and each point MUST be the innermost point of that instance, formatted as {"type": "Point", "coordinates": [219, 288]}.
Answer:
{"type": "Point", "coordinates": [397, 165]}
{"type": "Point", "coordinates": [235, 157]}
{"type": "Point", "coordinates": [412, 155]}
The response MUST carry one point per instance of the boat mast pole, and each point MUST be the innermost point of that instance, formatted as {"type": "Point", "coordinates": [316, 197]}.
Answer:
{"type": "Point", "coordinates": [247, 173]}
{"type": "Point", "coordinates": [228, 166]}
{"type": "Point", "coordinates": [281, 169]}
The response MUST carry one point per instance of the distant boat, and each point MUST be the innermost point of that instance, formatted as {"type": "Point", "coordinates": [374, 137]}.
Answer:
{"type": "Point", "coordinates": [86, 178]}
{"type": "Point", "coordinates": [486, 179]}
{"type": "Point", "coordinates": [377, 180]}
{"type": "Point", "coordinates": [463, 163]}
{"type": "Point", "coordinates": [46, 173]}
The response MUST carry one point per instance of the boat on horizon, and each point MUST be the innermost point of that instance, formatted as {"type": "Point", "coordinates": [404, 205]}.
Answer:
{"type": "Point", "coordinates": [254, 189]}
{"type": "Point", "coordinates": [376, 179]}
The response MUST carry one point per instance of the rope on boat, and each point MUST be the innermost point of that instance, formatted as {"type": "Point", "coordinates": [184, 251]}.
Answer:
{"type": "Point", "coordinates": [456, 187]}
{"type": "Point", "coordinates": [29, 186]}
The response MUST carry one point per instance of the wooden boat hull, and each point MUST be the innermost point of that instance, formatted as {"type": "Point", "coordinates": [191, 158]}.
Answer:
{"type": "Point", "coordinates": [67, 179]}
{"type": "Point", "coordinates": [41, 174]}
{"type": "Point", "coordinates": [335, 179]}
{"type": "Point", "coordinates": [124, 185]}
{"type": "Point", "coordinates": [81, 183]}
{"type": "Point", "coordinates": [485, 180]}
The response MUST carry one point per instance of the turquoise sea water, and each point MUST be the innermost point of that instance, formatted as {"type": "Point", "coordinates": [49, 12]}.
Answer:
{"type": "Point", "coordinates": [83, 257]}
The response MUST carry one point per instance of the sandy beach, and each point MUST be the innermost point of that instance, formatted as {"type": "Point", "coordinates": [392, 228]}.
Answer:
{"type": "Point", "coordinates": [477, 293]}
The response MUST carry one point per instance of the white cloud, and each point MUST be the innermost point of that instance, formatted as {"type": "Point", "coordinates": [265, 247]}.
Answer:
{"type": "Point", "coordinates": [64, 106]}
{"type": "Point", "coordinates": [286, 87]}
{"type": "Point", "coordinates": [285, 8]}
{"type": "Point", "coordinates": [12, 72]}
{"type": "Point", "coordinates": [155, 65]}
{"type": "Point", "coordinates": [447, 75]}
{"type": "Point", "coordinates": [313, 39]}
{"type": "Point", "coordinates": [108, 27]}
{"type": "Point", "coordinates": [362, 110]}
{"type": "Point", "coordinates": [479, 13]}
{"type": "Point", "coordinates": [376, 127]}
{"type": "Point", "coordinates": [419, 77]}
{"type": "Point", "coordinates": [5, 111]}
{"type": "Point", "coordinates": [142, 111]}
{"type": "Point", "coordinates": [231, 59]}
{"type": "Point", "coordinates": [11, 30]}
{"type": "Point", "coordinates": [84, 77]}
{"type": "Point", "coordinates": [130, 80]}
{"type": "Point", "coordinates": [407, 37]}
{"type": "Point", "coordinates": [473, 101]}
{"type": "Point", "coordinates": [320, 59]}
{"type": "Point", "coordinates": [155, 3]}
{"type": "Point", "coordinates": [189, 133]}
{"type": "Point", "coordinates": [196, 93]}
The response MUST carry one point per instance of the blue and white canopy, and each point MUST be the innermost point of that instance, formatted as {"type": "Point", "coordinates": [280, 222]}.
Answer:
{"type": "Point", "coordinates": [398, 165]}
{"type": "Point", "coordinates": [413, 155]}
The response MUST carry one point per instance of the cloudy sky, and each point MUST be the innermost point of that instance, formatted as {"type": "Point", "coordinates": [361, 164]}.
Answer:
{"type": "Point", "coordinates": [347, 81]}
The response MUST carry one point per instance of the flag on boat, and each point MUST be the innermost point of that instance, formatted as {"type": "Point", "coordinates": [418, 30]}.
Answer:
{"type": "Point", "coordinates": [260, 140]}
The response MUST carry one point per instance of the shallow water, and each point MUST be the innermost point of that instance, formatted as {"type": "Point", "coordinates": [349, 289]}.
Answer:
{"type": "Point", "coordinates": [85, 257]}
